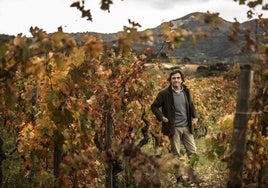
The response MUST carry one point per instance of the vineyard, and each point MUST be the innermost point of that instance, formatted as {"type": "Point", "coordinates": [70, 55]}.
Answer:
{"type": "Point", "coordinates": [77, 114]}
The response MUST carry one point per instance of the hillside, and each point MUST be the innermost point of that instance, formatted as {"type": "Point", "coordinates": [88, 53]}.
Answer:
{"type": "Point", "coordinates": [215, 48]}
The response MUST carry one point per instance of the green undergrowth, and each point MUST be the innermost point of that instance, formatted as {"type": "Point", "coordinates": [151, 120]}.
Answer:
{"type": "Point", "coordinates": [212, 171]}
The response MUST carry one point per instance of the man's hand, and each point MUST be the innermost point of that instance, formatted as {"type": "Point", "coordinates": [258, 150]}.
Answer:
{"type": "Point", "coordinates": [194, 122]}
{"type": "Point", "coordinates": [164, 119]}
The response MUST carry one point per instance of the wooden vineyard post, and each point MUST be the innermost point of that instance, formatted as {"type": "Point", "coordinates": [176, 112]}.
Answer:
{"type": "Point", "coordinates": [2, 157]}
{"type": "Point", "coordinates": [240, 127]}
{"type": "Point", "coordinates": [108, 121]}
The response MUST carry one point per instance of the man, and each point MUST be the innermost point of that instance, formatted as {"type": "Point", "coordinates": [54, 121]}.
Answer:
{"type": "Point", "coordinates": [174, 107]}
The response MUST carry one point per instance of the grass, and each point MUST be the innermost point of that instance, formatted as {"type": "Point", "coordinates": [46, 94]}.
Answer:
{"type": "Point", "coordinates": [213, 172]}
{"type": "Point", "coordinates": [12, 166]}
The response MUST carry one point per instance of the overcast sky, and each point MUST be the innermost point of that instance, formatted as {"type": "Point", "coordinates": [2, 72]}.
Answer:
{"type": "Point", "coordinates": [17, 16]}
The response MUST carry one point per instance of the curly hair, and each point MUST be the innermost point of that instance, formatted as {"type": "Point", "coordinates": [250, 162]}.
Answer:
{"type": "Point", "coordinates": [175, 71]}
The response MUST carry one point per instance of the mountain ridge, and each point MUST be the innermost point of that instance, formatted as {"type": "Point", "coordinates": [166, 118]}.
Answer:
{"type": "Point", "coordinates": [216, 48]}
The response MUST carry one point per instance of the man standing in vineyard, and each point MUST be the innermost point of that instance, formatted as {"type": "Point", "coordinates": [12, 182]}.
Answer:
{"type": "Point", "coordinates": [173, 106]}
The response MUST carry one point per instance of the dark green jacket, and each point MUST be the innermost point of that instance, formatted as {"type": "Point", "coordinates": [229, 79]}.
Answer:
{"type": "Point", "coordinates": [163, 105]}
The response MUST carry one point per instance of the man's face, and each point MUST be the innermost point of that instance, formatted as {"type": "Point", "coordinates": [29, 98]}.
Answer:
{"type": "Point", "coordinates": [176, 80]}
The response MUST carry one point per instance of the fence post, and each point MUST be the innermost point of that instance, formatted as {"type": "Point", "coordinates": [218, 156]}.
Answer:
{"type": "Point", "coordinates": [2, 157]}
{"type": "Point", "coordinates": [108, 121]}
{"type": "Point", "coordinates": [239, 140]}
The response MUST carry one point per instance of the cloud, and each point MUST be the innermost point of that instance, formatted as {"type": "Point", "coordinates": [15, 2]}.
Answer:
{"type": "Point", "coordinates": [167, 4]}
